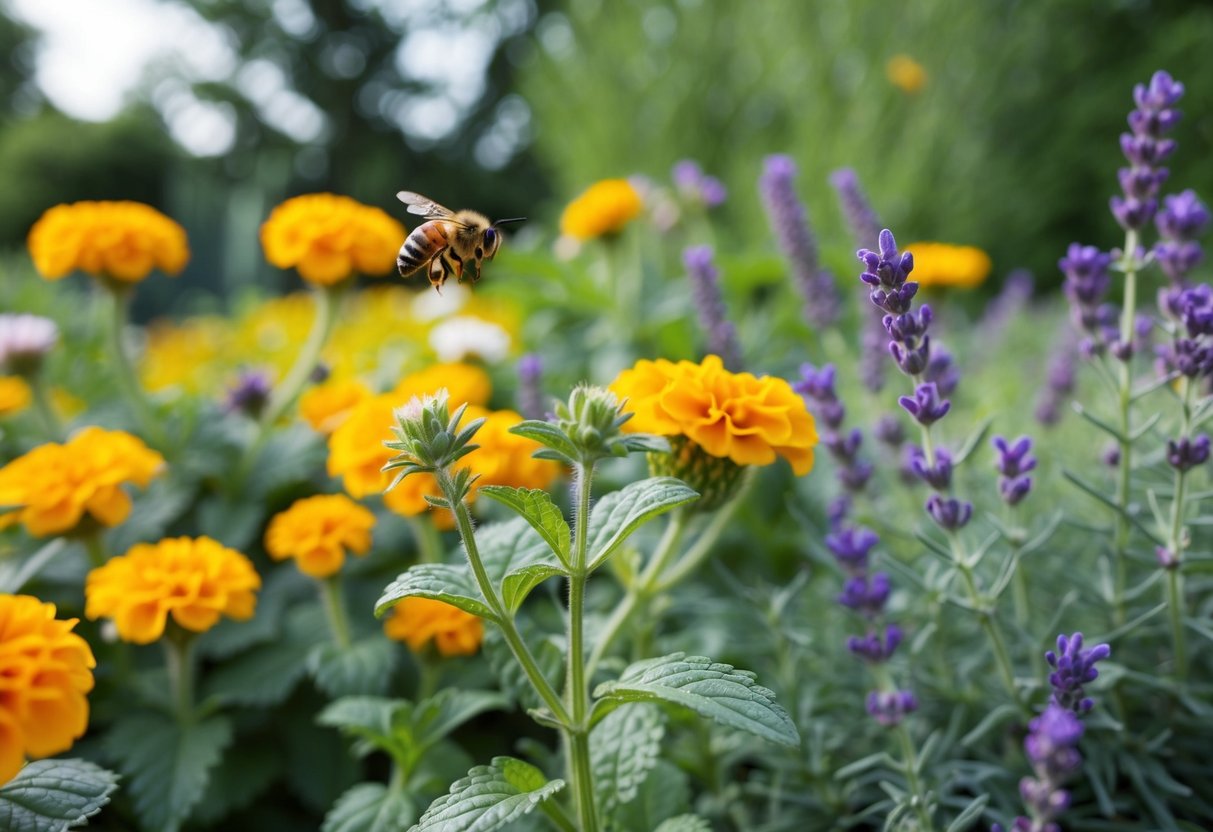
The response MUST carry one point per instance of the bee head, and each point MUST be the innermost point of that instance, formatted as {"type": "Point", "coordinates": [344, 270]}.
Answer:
{"type": "Point", "coordinates": [492, 236]}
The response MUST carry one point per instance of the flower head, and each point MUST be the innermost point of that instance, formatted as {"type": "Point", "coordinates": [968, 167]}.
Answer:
{"type": "Point", "coordinates": [1074, 666]}
{"type": "Point", "coordinates": [419, 621]}
{"type": "Point", "coordinates": [122, 241]}
{"type": "Point", "coordinates": [947, 265]}
{"type": "Point", "coordinates": [906, 74]}
{"type": "Point", "coordinates": [951, 514]}
{"type": "Point", "coordinates": [1013, 462]}
{"type": "Point", "coordinates": [327, 405]}
{"type": "Point", "coordinates": [1184, 454]}
{"type": "Point", "coordinates": [327, 238]}
{"type": "Point", "coordinates": [529, 396]}
{"type": "Point", "coordinates": [15, 394]}
{"type": "Point", "coordinates": [195, 580]}
{"type": "Point", "coordinates": [24, 342]}
{"type": "Point", "coordinates": [54, 486]}
{"type": "Point", "coordinates": [503, 457]}
{"type": "Point", "coordinates": [850, 545]}
{"type": "Point", "coordinates": [875, 647]}
{"type": "Point", "coordinates": [467, 336]}
{"type": "Point", "coordinates": [890, 707]}
{"type": "Point", "coordinates": [601, 210]}
{"type": "Point", "coordinates": [925, 405]}
{"type": "Point", "coordinates": [250, 394]}
{"type": "Point", "coordinates": [696, 186]}
{"type": "Point", "coordinates": [464, 383]}
{"type": "Point", "coordinates": [45, 672]}
{"type": "Point", "coordinates": [708, 300]}
{"type": "Point", "coordinates": [318, 532]}
{"type": "Point", "coordinates": [749, 420]}
{"type": "Point", "coordinates": [1146, 148]}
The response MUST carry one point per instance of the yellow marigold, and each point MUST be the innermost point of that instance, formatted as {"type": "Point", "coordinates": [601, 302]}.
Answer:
{"type": "Point", "coordinates": [504, 458]}
{"type": "Point", "coordinates": [45, 671]}
{"type": "Point", "coordinates": [196, 580]}
{"type": "Point", "coordinates": [418, 621]}
{"type": "Point", "coordinates": [943, 264]}
{"type": "Point", "coordinates": [327, 405]}
{"type": "Point", "coordinates": [185, 355]}
{"type": "Point", "coordinates": [604, 208]}
{"type": "Point", "coordinates": [905, 73]}
{"type": "Point", "coordinates": [744, 418]}
{"type": "Point", "coordinates": [326, 238]}
{"type": "Point", "coordinates": [465, 383]}
{"type": "Point", "coordinates": [14, 395]}
{"type": "Point", "coordinates": [120, 240]}
{"type": "Point", "coordinates": [318, 531]}
{"type": "Point", "coordinates": [357, 455]}
{"type": "Point", "coordinates": [55, 485]}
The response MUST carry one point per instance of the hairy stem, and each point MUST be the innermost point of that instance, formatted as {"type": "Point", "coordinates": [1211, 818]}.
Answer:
{"type": "Point", "coordinates": [576, 695]}
{"type": "Point", "coordinates": [1124, 478]}
{"type": "Point", "coordinates": [334, 610]}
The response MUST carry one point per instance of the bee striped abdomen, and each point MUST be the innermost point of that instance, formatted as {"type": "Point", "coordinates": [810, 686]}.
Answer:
{"type": "Point", "coordinates": [426, 241]}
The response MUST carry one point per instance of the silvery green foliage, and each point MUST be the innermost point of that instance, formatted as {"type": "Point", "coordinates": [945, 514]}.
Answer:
{"type": "Point", "coordinates": [54, 795]}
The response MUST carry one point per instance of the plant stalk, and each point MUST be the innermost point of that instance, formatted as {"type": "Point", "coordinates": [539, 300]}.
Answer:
{"type": "Point", "coordinates": [327, 300]}
{"type": "Point", "coordinates": [577, 696]}
{"type": "Point", "coordinates": [128, 380]}
{"type": "Point", "coordinates": [44, 407]}
{"type": "Point", "coordinates": [334, 610]}
{"type": "Point", "coordinates": [179, 661]}
{"type": "Point", "coordinates": [1124, 478]}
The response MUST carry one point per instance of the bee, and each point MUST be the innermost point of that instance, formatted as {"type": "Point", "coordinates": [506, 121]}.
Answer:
{"type": "Point", "coordinates": [448, 242]}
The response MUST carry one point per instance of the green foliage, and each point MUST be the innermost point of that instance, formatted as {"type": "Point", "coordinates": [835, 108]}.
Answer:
{"type": "Point", "coordinates": [364, 667]}
{"type": "Point", "coordinates": [371, 807]}
{"type": "Point", "coordinates": [54, 795]}
{"type": "Point", "coordinates": [624, 748]}
{"type": "Point", "coordinates": [537, 508]}
{"type": "Point", "coordinates": [448, 583]}
{"type": "Point", "coordinates": [620, 513]}
{"type": "Point", "coordinates": [489, 797]}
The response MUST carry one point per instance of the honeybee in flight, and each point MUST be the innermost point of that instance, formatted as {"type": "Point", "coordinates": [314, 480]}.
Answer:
{"type": "Point", "coordinates": [448, 242]}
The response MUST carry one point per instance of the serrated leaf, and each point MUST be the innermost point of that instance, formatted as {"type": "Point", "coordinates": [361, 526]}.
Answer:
{"type": "Point", "coordinates": [624, 747]}
{"type": "Point", "coordinates": [550, 436]}
{"type": "Point", "coordinates": [377, 721]}
{"type": "Point", "coordinates": [537, 508]}
{"type": "Point", "coordinates": [279, 590]}
{"type": "Point", "coordinates": [371, 807]}
{"type": "Point", "coordinates": [447, 582]}
{"type": "Point", "coordinates": [516, 559]}
{"type": "Point", "coordinates": [620, 513]}
{"type": "Point", "coordinates": [711, 689]}
{"type": "Point", "coordinates": [54, 795]}
{"type": "Point", "coordinates": [363, 668]}
{"type": "Point", "coordinates": [664, 794]}
{"type": "Point", "coordinates": [489, 797]}
{"type": "Point", "coordinates": [167, 764]}
{"type": "Point", "coordinates": [684, 823]}
{"type": "Point", "coordinates": [268, 673]}
{"type": "Point", "coordinates": [436, 717]}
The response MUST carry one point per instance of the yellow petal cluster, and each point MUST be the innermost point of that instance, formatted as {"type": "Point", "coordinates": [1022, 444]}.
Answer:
{"type": "Point", "coordinates": [120, 240]}
{"type": "Point", "coordinates": [906, 74]}
{"type": "Point", "coordinates": [14, 395]}
{"type": "Point", "coordinates": [55, 485]}
{"type": "Point", "coordinates": [738, 416]}
{"type": "Point", "coordinates": [45, 672]}
{"type": "Point", "coordinates": [943, 264]}
{"type": "Point", "coordinates": [465, 383]}
{"type": "Point", "coordinates": [418, 621]}
{"type": "Point", "coordinates": [327, 238]}
{"type": "Point", "coordinates": [604, 208]}
{"type": "Point", "coordinates": [504, 458]}
{"type": "Point", "coordinates": [326, 406]}
{"type": "Point", "coordinates": [318, 531]}
{"type": "Point", "coordinates": [196, 580]}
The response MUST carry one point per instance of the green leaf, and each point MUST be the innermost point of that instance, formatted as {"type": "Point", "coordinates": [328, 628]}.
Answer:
{"type": "Point", "coordinates": [489, 797]}
{"type": "Point", "coordinates": [268, 673]}
{"type": "Point", "coordinates": [167, 764]}
{"type": "Point", "coordinates": [16, 572]}
{"type": "Point", "coordinates": [436, 717]}
{"type": "Point", "coordinates": [371, 807]}
{"type": "Point", "coordinates": [710, 689]}
{"type": "Point", "coordinates": [970, 815]}
{"type": "Point", "coordinates": [624, 747]}
{"type": "Point", "coordinates": [685, 823]}
{"type": "Point", "coordinates": [516, 559]}
{"type": "Point", "coordinates": [53, 795]}
{"type": "Point", "coordinates": [537, 508]}
{"type": "Point", "coordinates": [452, 584]}
{"type": "Point", "coordinates": [550, 436]}
{"type": "Point", "coordinates": [239, 781]}
{"type": "Point", "coordinates": [379, 724]}
{"type": "Point", "coordinates": [664, 795]}
{"type": "Point", "coordinates": [365, 667]}
{"type": "Point", "coordinates": [620, 513]}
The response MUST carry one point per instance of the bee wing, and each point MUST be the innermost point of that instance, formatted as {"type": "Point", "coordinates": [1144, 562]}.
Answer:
{"type": "Point", "coordinates": [424, 206]}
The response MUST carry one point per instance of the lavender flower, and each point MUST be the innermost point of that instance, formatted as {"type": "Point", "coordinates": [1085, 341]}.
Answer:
{"type": "Point", "coordinates": [1051, 746]}
{"type": "Point", "coordinates": [1013, 463]}
{"type": "Point", "coordinates": [1086, 283]}
{"type": "Point", "coordinates": [850, 545]}
{"type": "Point", "coordinates": [1146, 148]}
{"type": "Point", "coordinates": [864, 226]}
{"type": "Point", "coordinates": [1182, 219]}
{"type": "Point", "coordinates": [696, 186]}
{"type": "Point", "coordinates": [250, 394]}
{"type": "Point", "coordinates": [939, 475]}
{"type": "Point", "coordinates": [875, 647]}
{"type": "Point", "coordinates": [871, 352]}
{"type": "Point", "coordinates": [925, 406]}
{"type": "Point", "coordinates": [1073, 666]}
{"type": "Point", "coordinates": [888, 430]}
{"type": "Point", "coordinates": [790, 223]}
{"type": "Point", "coordinates": [951, 514]}
{"type": "Point", "coordinates": [709, 304]}
{"type": "Point", "coordinates": [24, 342]}
{"type": "Point", "coordinates": [941, 368]}
{"type": "Point", "coordinates": [886, 272]}
{"type": "Point", "coordinates": [530, 387]}
{"type": "Point", "coordinates": [866, 594]}
{"type": "Point", "coordinates": [817, 387]}
{"type": "Point", "coordinates": [890, 707]}
{"type": "Point", "coordinates": [1185, 454]}
{"type": "Point", "coordinates": [1191, 356]}
{"type": "Point", "coordinates": [1006, 305]}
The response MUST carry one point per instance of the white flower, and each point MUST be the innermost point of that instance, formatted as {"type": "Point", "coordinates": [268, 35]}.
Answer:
{"type": "Point", "coordinates": [455, 339]}
{"type": "Point", "coordinates": [431, 306]}
{"type": "Point", "coordinates": [25, 339]}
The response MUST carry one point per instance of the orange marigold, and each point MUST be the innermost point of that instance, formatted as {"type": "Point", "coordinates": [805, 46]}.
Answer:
{"type": "Point", "coordinates": [327, 238]}
{"type": "Point", "coordinates": [15, 395]}
{"type": "Point", "coordinates": [943, 264]}
{"type": "Point", "coordinates": [318, 531]}
{"type": "Point", "coordinates": [196, 580]}
{"type": "Point", "coordinates": [327, 405]}
{"type": "Point", "coordinates": [418, 621]}
{"type": "Point", "coordinates": [54, 486]}
{"type": "Point", "coordinates": [45, 671]}
{"type": "Point", "coordinates": [504, 458]}
{"type": "Point", "coordinates": [120, 240]}
{"type": "Point", "coordinates": [604, 208]}
{"type": "Point", "coordinates": [464, 383]}
{"type": "Point", "coordinates": [739, 416]}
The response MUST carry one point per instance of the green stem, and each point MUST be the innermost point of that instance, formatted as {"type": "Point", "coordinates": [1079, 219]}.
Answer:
{"type": "Point", "coordinates": [1175, 544]}
{"type": "Point", "coordinates": [128, 380]}
{"type": "Point", "coordinates": [986, 618]}
{"type": "Point", "coordinates": [504, 620]}
{"type": "Point", "coordinates": [576, 694]}
{"type": "Point", "coordinates": [94, 546]}
{"type": "Point", "coordinates": [45, 409]}
{"type": "Point", "coordinates": [427, 538]}
{"type": "Point", "coordinates": [910, 762]}
{"type": "Point", "coordinates": [1175, 601]}
{"type": "Point", "coordinates": [1124, 480]}
{"type": "Point", "coordinates": [583, 778]}
{"type": "Point", "coordinates": [327, 300]}
{"type": "Point", "coordinates": [702, 547]}
{"type": "Point", "coordinates": [334, 610]}
{"type": "Point", "coordinates": [179, 661]}
{"type": "Point", "coordinates": [430, 674]}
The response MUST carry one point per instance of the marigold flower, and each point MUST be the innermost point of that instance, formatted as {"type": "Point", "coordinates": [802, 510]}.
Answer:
{"type": "Point", "coordinates": [504, 458]}
{"type": "Point", "coordinates": [318, 531]}
{"type": "Point", "coordinates": [906, 74]}
{"type": "Point", "coordinates": [55, 485]}
{"type": "Point", "coordinates": [120, 240]}
{"type": "Point", "coordinates": [464, 383]}
{"type": "Point", "coordinates": [943, 264]}
{"type": "Point", "coordinates": [326, 238]}
{"type": "Point", "coordinates": [418, 621]}
{"type": "Point", "coordinates": [45, 671]}
{"type": "Point", "coordinates": [326, 406]}
{"type": "Point", "coordinates": [604, 208]}
{"type": "Point", "coordinates": [196, 580]}
{"type": "Point", "coordinates": [738, 416]}
{"type": "Point", "coordinates": [15, 395]}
